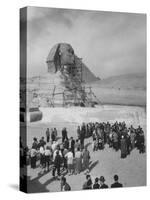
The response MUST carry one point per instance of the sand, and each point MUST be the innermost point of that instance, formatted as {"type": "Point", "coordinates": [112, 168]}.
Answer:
{"type": "Point", "coordinates": [132, 170]}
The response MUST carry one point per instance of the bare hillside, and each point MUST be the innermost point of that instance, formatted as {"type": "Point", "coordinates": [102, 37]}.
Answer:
{"type": "Point", "coordinates": [127, 81]}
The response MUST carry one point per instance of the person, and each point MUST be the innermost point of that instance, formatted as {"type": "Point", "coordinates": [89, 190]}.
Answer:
{"type": "Point", "coordinates": [53, 136]}
{"type": "Point", "coordinates": [48, 156]}
{"type": "Point", "coordinates": [86, 158]}
{"type": "Point", "coordinates": [57, 164]}
{"type": "Point", "coordinates": [66, 143]}
{"type": "Point", "coordinates": [47, 135]}
{"type": "Point", "coordinates": [88, 183]}
{"type": "Point", "coordinates": [128, 142]}
{"type": "Point", "coordinates": [115, 141]}
{"type": "Point", "coordinates": [96, 184]}
{"type": "Point", "coordinates": [141, 142]}
{"type": "Point", "coordinates": [102, 183]}
{"type": "Point", "coordinates": [72, 145]}
{"type": "Point", "coordinates": [57, 150]}
{"type": "Point", "coordinates": [33, 154]}
{"type": "Point", "coordinates": [123, 147]}
{"type": "Point", "coordinates": [35, 143]}
{"type": "Point", "coordinates": [55, 133]}
{"type": "Point", "coordinates": [42, 159]}
{"type": "Point", "coordinates": [64, 185]}
{"type": "Point", "coordinates": [132, 138]}
{"type": "Point", "coordinates": [78, 132]}
{"type": "Point", "coordinates": [82, 135]}
{"type": "Point", "coordinates": [77, 144]}
{"type": "Point", "coordinates": [116, 184]}
{"type": "Point", "coordinates": [78, 161]}
{"type": "Point", "coordinates": [69, 157]}
{"type": "Point", "coordinates": [64, 135]}
{"type": "Point", "coordinates": [42, 142]}
{"type": "Point", "coordinates": [64, 159]}
{"type": "Point", "coordinates": [54, 145]}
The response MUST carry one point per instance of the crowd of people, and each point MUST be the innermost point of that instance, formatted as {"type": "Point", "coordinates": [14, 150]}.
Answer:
{"type": "Point", "coordinates": [67, 156]}
{"type": "Point", "coordinates": [116, 135]}
{"type": "Point", "coordinates": [72, 155]}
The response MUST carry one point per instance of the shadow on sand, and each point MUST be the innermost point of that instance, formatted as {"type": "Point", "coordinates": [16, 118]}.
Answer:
{"type": "Point", "coordinates": [14, 187]}
{"type": "Point", "coordinates": [93, 165]}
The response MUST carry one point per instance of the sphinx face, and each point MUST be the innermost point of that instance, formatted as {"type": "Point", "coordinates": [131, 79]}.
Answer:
{"type": "Point", "coordinates": [60, 55]}
{"type": "Point", "coordinates": [66, 54]}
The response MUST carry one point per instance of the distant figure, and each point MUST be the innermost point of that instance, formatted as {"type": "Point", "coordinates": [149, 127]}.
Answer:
{"type": "Point", "coordinates": [64, 185]}
{"type": "Point", "coordinates": [132, 137]}
{"type": "Point", "coordinates": [96, 184]}
{"type": "Point", "coordinates": [69, 157]}
{"type": "Point", "coordinates": [88, 183]}
{"type": "Point", "coordinates": [42, 142]}
{"type": "Point", "coordinates": [57, 164]}
{"type": "Point", "coordinates": [53, 138]}
{"type": "Point", "coordinates": [72, 145]}
{"type": "Point", "coordinates": [64, 134]}
{"type": "Point", "coordinates": [48, 157]}
{"type": "Point", "coordinates": [116, 184]}
{"type": "Point", "coordinates": [35, 143]}
{"type": "Point", "coordinates": [77, 144]}
{"type": "Point", "coordinates": [78, 132]}
{"type": "Point", "coordinates": [78, 161]}
{"type": "Point", "coordinates": [86, 158]}
{"type": "Point", "coordinates": [102, 183]}
{"type": "Point", "coordinates": [82, 135]}
{"type": "Point", "coordinates": [55, 133]}
{"type": "Point", "coordinates": [123, 147]}
{"type": "Point", "coordinates": [33, 154]}
{"type": "Point", "coordinates": [42, 159]}
{"type": "Point", "coordinates": [47, 135]}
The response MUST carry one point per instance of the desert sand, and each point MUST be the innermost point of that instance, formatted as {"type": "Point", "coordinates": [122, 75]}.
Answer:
{"type": "Point", "coordinates": [132, 170]}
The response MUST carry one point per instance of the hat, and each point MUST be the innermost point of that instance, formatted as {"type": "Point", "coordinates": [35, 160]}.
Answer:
{"type": "Point", "coordinates": [102, 179]}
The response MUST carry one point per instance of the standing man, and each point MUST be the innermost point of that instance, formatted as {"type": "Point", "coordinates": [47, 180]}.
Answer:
{"type": "Point", "coordinates": [57, 164]}
{"type": "Point", "coordinates": [86, 158]}
{"type": "Point", "coordinates": [69, 157]}
{"type": "Point", "coordinates": [116, 184]}
{"type": "Point", "coordinates": [72, 145]}
{"type": "Point", "coordinates": [64, 135]}
{"type": "Point", "coordinates": [47, 135]}
{"type": "Point", "coordinates": [123, 147]}
{"type": "Point", "coordinates": [82, 135]}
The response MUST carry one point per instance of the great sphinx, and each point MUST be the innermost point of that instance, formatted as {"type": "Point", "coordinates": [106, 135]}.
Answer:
{"type": "Point", "coordinates": [63, 59]}
{"type": "Point", "coordinates": [73, 72]}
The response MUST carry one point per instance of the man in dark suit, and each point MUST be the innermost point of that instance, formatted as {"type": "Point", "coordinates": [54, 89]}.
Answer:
{"type": "Point", "coordinates": [64, 134]}
{"type": "Point", "coordinates": [102, 183]}
{"type": "Point", "coordinates": [57, 164]}
{"type": "Point", "coordinates": [72, 145]}
{"type": "Point", "coordinates": [116, 184]}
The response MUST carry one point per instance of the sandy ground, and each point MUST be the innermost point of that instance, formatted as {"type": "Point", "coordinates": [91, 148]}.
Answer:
{"type": "Point", "coordinates": [120, 96]}
{"type": "Point", "coordinates": [132, 170]}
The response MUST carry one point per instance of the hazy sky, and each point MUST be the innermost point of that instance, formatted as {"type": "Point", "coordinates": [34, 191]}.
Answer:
{"type": "Point", "coordinates": [109, 43]}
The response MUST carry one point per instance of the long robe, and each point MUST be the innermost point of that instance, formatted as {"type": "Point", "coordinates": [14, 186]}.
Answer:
{"type": "Point", "coordinates": [123, 148]}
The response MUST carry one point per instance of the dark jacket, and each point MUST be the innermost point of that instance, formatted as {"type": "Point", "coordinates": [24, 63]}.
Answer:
{"type": "Point", "coordinates": [96, 186]}
{"type": "Point", "coordinates": [116, 185]}
{"type": "Point", "coordinates": [57, 161]}
{"type": "Point", "coordinates": [103, 186]}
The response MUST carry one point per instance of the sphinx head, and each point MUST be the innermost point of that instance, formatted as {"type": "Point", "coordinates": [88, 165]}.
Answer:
{"type": "Point", "coordinates": [60, 56]}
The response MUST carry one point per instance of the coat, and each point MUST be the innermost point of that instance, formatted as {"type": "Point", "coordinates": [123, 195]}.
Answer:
{"type": "Point", "coordinates": [123, 147]}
